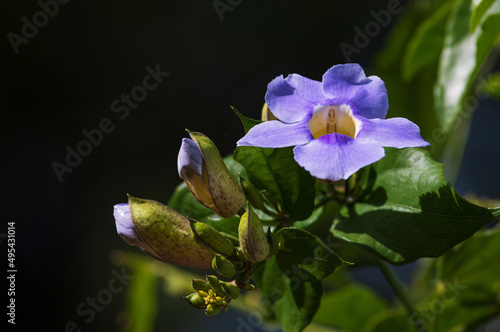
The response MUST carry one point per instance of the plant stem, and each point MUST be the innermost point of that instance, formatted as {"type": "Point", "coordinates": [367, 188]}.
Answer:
{"type": "Point", "coordinates": [395, 285]}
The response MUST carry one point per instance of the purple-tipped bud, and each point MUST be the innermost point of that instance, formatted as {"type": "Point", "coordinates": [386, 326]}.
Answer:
{"type": "Point", "coordinates": [125, 226]}
{"type": "Point", "coordinates": [207, 177]}
{"type": "Point", "coordinates": [160, 232]}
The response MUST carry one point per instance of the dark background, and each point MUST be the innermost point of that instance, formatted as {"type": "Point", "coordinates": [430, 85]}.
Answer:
{"type": "Point", "coordinates": [64, 80]}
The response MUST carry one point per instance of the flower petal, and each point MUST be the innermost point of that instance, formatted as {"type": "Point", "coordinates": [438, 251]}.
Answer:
{"type": "Point", "coordinates": [276, 134]}
{"type": "Point", "coordinates": [308, 89]}
{"type": "Point", "coordinates": [336, 157]}
{"type": "Point", "coordinates": [189, 159]}
{"type": "Point", "coordinates": [348, 84]}
{"type": "Point", "coordinates": [395, 132]}
{"type": "Point", "coordinates": [285, 100]}
{"type": "Point", "coordinates": [124, 226]}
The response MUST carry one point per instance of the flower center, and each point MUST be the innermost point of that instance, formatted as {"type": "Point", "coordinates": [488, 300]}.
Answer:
{"type": "Point", "coordinates": [333, 119]}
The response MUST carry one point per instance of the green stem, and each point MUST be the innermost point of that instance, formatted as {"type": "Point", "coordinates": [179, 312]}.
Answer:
{"type": "Point", "coordinates": [395, 285]}
{"type": "Point", "coordinates": [266, 222]}
{"type": "Point", "coordinates": [268, 212]}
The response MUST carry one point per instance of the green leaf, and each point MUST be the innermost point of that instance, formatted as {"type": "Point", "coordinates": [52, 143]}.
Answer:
{"type": "Point", "coordinates": [474, 262]}
{"type": "Point", "coordinates": [393, 319]}
{"type": "Point", "coordinates": [276, 171]}
{"type": "Point", "coordinates": [294, 302]}
{"type": "Point", "coordinates": [247, 122]}
{"type": "Point", "coordinates": [480, 9]}
{"type": "Point", "coordinates": [461, 59]}
{"type": "Point", "coordinates": [457, 317]}
{"type": "Point", "coordinates": [340, 306]}
{"type": "Point", "coordinates": [302, 255]}
{"type": "Point", "coordinates": [427, 42]}
{"type": "Point", "coordinates": [408, 210]}
{"type": "Point", "coordinates": [491, 87]}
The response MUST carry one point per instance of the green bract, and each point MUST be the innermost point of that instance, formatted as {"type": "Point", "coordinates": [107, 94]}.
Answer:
{"type": "Point", "coordinates": [207, 176]}
{"type": "Point", "coordinates": [168, 234]}
{"type": "Point", "coordinates": [253, 240]}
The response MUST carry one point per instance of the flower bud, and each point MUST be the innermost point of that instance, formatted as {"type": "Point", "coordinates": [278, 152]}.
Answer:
{"type": "Point", "coordinates": [214, 282]}
{"type": "Point", "coordinates": [251, 193]}
{"type": "Point", "coordinates": [200, 285]}
{"type": "Point", "coordinates": [209, 238]}
{"type": "Point", "coordinates": [253, 240]}
{"type": "Point", "coordinates": [196, 301]}
{"type": "Point", "coordinates": [160, 232]}
{"type": "Point", "coordinates": [212, 309]}
{"type": "Point", "coordinates": [223, 266]}
{"type": "Point", "coordinates": [200, 164]}
{"type": "Point", "coordinates": [230, 289]}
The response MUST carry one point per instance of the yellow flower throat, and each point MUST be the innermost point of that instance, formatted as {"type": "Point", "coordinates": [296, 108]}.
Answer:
{"type": "Point", "coordinates": [333, 119]}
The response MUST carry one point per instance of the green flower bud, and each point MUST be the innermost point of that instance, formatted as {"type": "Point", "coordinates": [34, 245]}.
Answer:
{"type": "Point", "coordinates": [212, 309]}
{"type": "Point", "coordinates": [219, 301]}
{"type": "Point", "coordinates": [251, 193]}
{"type": "Point", "coordinates": [230, 289]}
{"type": "Point", "coordinates": [200, 285]}
{"type": "Point", "coordinates": [241, 256]}
{"type": "Point", "coordinates": [253, 240]}
{"type": "Point", "coordinates": [223, 266]}
{"type": "Point", "coordinates": [234, 240]}
{"type": "Point", "coordinates": [201, 166]}
{"type": "Point", "coordinates": [215, 283]}
{"type": "Point", "coordinates": [196, 301]}
{"type": "Point", "coordinates": [204, 294]}
{"type": "Point", "coordinates": [166, 234]}
{"type": "Point", "coordinates": [209, 238]}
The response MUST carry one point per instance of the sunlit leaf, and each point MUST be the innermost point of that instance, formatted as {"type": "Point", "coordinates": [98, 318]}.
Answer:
{"type": "Point", "coordinates": [408, 210]}
{"type": "Point", "coordinates": [480, 8]}
{"type": "Point", "coordinates": [463, 54]}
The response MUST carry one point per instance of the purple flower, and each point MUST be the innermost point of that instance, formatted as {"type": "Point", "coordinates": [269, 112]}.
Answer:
{"type": "Point", "coordinates": [337, 126]}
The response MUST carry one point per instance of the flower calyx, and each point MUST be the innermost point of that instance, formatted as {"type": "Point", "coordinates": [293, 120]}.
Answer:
{"type": "Point", "coordinates": [161, 232]}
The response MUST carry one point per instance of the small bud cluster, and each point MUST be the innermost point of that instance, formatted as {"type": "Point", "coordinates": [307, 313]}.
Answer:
{"type": "Point", "coordinates": [212, 294]}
